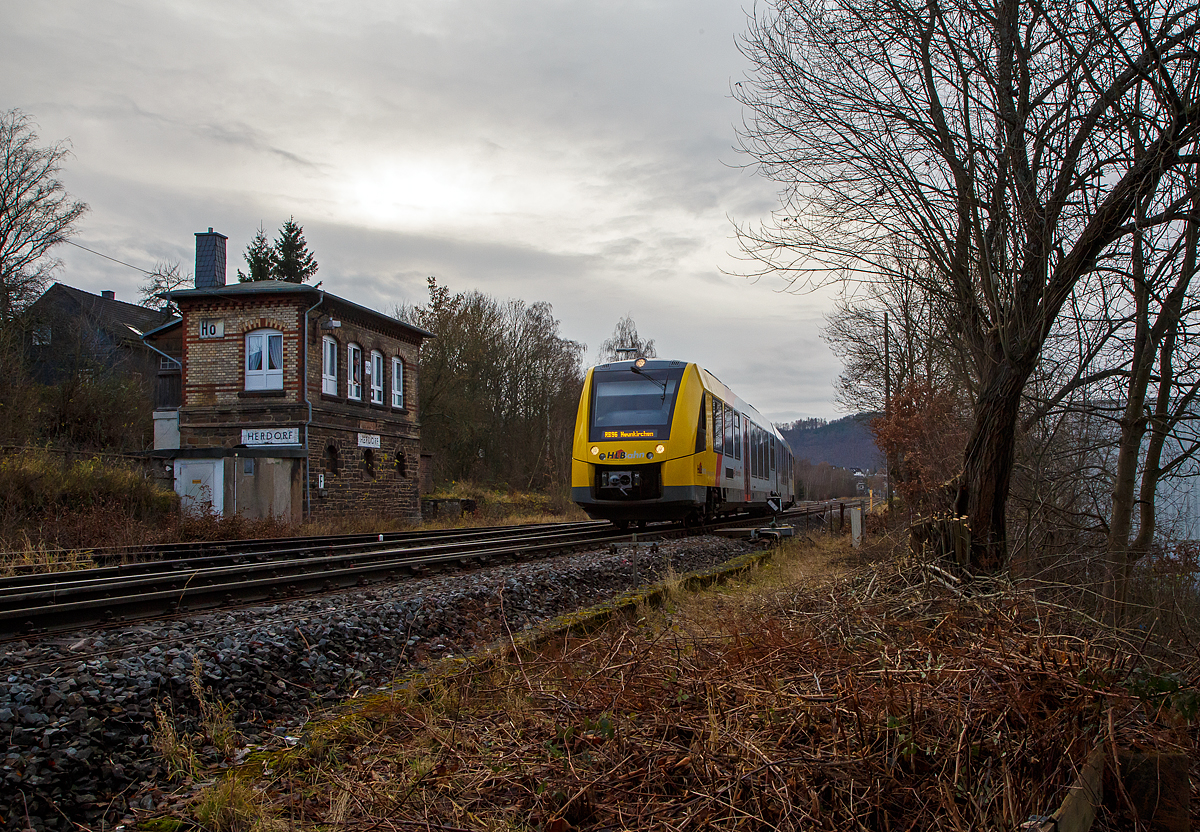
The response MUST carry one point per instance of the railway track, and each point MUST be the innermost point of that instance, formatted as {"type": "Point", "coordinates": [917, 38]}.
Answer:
{"type": "Point", "coordinates": [155, 582]}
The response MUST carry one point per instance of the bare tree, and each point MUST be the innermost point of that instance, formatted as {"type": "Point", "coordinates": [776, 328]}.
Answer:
{"type": "Point", "coordinates": [913, 346]}
{"type": "Point", "coordinates": [1008, 143]}
{"type": "Point", "coordinates": [36, 213]}
{"type": "Point", "coordinates": [499, 388]}
{"type": "Point", "coordinates": [165, 278]}
{"type": "Point", "coordinates": [625, 343]}
{"type": "Point", "coordinates": [1162, 268]}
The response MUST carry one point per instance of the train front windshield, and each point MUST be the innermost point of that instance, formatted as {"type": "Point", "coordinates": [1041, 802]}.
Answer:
{"type": "Point", "coordinates": [626, 405]}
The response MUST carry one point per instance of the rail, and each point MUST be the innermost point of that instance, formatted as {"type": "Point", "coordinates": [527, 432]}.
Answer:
{"type": "Point", "coordinates": [249, 572]}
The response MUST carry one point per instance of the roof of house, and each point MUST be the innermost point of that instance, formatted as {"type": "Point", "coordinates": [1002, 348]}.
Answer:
{"type": "Point", "coordinates": [282, 287]}
{"type": "Point", "coordinates": [124, 320]}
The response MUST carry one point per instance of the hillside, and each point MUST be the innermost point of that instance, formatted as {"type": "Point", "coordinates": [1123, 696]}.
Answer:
{"type": "Point", "coordinates": [846, 443]}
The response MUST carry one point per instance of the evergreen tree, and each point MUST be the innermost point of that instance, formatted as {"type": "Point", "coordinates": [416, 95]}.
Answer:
{"type": "Point", "coordinates": [293, 261]}
{"type": "Point", "coordinates": [260, 258]}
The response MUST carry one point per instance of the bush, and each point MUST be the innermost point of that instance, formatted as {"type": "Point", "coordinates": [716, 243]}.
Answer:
{"type": "Point", "coordinates": [502, 503]}
{"type": "Point", "coordinates": [46, 491]}
{"type": "Point", "coordinates": [111, 412]}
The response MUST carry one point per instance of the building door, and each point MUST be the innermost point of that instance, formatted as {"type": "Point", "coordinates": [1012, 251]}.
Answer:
{"type": "Point", "coordinates": [200, 485]}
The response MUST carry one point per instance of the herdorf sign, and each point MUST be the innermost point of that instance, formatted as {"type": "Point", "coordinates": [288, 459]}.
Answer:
{"type": "Point", "coordinates": [270, 436]}
{"type": "Point", "coordinates": [368, 440]}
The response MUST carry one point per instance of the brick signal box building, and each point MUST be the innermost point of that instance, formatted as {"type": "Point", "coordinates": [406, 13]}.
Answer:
{"type": "Point", "coordinates": [292, 402]}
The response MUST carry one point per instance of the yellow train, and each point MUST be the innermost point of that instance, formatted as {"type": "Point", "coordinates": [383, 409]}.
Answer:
{"type": "Point", "coordinates": [667, 440]}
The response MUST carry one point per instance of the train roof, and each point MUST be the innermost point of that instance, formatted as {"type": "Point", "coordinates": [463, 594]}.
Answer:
{"type": "Point", "coordinates": [651, 364]}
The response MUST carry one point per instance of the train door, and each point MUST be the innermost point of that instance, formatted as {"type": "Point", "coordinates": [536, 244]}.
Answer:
{"type": "Point", "coordinates": [746, 455]}
{"type": "Point", "coordinates": [733, 454]}
{"type": "Point", "coordinates": [773, 474]}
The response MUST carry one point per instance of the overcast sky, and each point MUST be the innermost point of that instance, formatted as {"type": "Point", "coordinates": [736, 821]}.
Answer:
{"type": "Point", "coordinates": [578, 153]}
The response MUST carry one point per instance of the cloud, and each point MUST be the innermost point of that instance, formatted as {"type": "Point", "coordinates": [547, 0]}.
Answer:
{"type": "Point", "coordinates": [580, 154]}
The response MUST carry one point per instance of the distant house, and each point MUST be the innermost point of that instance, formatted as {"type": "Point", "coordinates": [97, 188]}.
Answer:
{"type": "Point", "coordinates": [291, 402]}
{"type": "Point", "coordinates": [69, 332]}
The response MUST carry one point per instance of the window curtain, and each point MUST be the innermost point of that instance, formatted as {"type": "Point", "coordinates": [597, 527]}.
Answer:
{"type": "Point", "coordinates": [254, 354]}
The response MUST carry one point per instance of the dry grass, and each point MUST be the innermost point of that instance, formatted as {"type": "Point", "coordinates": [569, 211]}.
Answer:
{"type": "Point", "coordinates": [62, 513]}
{"type": "Point", "coordinates": [817, 693]}
{"type": "Point", "coordinates": [29, 555]}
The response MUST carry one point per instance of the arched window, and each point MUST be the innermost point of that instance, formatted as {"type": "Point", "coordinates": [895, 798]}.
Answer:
{"type": "Point", "coordinates": [399, 463]}
{"type": "Point", "coordinates": [354, 370]}
{"type": "Point", "coordinates": [329, 361]}
{"type": "Point", "coordinates": [398, 382]}
{"type": "Point", "coordinates": [375, 368]}
{"type": "Point", "coordinates": [369, 462]}
{"type": "Point", "coordinates": [331, 460]}
{"type": "Point", "coordinates": [264, 360]}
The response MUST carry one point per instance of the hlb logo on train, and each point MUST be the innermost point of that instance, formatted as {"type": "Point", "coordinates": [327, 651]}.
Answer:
{"type": "Point", "coordinates": [630, 434]}
{"type": "Point", "coordinates": [619, 454]}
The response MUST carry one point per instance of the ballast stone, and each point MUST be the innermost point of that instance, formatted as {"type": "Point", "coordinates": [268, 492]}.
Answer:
{"type": "Point", "coordinates": [82, 738]}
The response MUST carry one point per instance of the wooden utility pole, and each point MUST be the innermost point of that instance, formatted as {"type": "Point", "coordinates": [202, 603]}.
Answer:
{"type": "Point", "coordinates": [887, 402]}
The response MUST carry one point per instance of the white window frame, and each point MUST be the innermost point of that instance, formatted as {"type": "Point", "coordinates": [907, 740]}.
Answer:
{"type": "Point", "coordinates": [264, 377]}
{"type": "Point", "coordinates": [354, 372]}
{"type": "Point", "coordinates": [398, 382]}
{"type": "Point", "coordinates": [375, 370]}
{"type": "Point", "coordinates": [329, 360]}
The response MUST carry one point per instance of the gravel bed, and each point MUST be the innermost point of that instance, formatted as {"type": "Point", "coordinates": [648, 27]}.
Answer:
{"type": "Point", "coordinates": [77, 710]}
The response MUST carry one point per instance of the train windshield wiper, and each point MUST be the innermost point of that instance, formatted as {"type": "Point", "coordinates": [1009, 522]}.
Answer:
{"type": "Point", "coordinates": [637, 368]}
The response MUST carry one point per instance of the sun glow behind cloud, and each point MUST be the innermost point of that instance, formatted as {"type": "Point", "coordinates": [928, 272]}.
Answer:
{"type": "Point", "coordinates": [420, 195]}
{"type": "Point", "coordinates": [578, 154]}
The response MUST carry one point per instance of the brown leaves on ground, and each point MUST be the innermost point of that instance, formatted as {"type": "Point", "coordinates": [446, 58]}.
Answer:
{"type": "Point", "coordinates": [877, 701]}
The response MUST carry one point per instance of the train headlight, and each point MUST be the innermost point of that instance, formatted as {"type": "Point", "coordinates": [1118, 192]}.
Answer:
{"type": "Point", "coordinates": [658, 449]}
{"type": "Point", "coordinates": [595, 450]}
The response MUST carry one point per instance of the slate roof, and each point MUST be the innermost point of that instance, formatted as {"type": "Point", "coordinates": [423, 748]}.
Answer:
{"type": "Point", "coordinates": [126, 321]}
{"type": "Point", "coordinates": [283, 287]}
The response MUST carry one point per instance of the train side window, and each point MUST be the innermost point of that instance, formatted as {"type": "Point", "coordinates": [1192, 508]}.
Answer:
{"type": "Point", "coordinates": [728, 430]}
{"type": "Point", "coordinates": [718, 430]}
{"type": "Point", "coordinates": [701, 431]}
{"type": "Point", "coordinates": [737, 435]}
{"type": "Point", "coordinates": [772, 453]}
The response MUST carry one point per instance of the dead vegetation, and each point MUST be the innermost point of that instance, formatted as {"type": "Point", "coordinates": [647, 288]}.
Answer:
{"type": "Point", "coordinates": [54, 510]}
{"type": "Point", "coordinates": [866, 696]}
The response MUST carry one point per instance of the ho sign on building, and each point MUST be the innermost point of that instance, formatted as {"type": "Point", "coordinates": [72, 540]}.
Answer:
{"type": "Point", "coordinates": [270, 436]}
{"type": "Point", "coordinates": [212, 328]}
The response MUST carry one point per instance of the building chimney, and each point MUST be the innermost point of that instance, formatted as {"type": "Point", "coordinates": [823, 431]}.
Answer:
{"type": "Point", "coordinates": [108, 294]}
{"type": "Point", "coordinates": [210, 259]}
